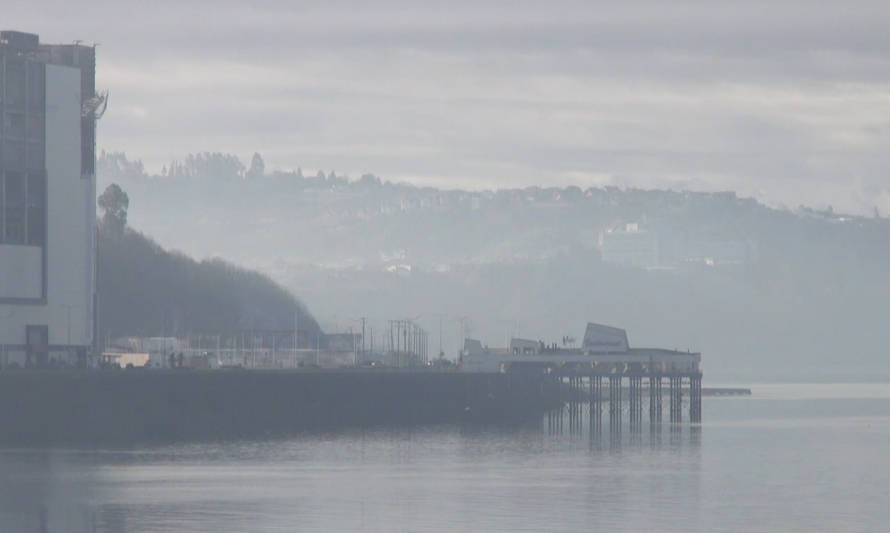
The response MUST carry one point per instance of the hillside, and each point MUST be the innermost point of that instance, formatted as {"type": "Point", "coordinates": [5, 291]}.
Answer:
{"type": "Point", "coordinates": [765, 292]}
{"type": "Point", "coordinates": [145, 290]}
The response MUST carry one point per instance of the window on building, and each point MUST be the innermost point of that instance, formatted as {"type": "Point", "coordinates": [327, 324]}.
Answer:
{"type": "Point", "coordinates": [14, 125]}
{"type": "Point", "coordinates": [67, 55]}
{"type": "Point", "coordinates": [37, 348]}
{"type": "Point", "coordinates": [36, 87]}
{"type": "Point", "coordinates": [14, 208]}
{"type": "Point", "coordinates": [88, 150]}
{"type": "Point", "coordinates": [36, 208]}
{"type": "Point", "coordinates": [15, 84]}
{"type": "Point", "coordinates": [34, 126]}
{"type": "Point", "coordinates": [35, 156]}
{"type": "Point", "coordinates": [14, 155]}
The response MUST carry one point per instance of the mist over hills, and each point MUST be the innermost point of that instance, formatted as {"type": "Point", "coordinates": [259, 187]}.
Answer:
{"type": "Point", "coordinates": [764, 293]}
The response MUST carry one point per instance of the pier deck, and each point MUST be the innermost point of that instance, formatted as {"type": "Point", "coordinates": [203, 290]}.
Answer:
{"type": "Point", "coordinates": [144, 405]}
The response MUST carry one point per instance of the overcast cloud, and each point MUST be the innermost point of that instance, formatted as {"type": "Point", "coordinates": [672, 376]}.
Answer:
{"type": "Point", "coordinates": [785, 101]}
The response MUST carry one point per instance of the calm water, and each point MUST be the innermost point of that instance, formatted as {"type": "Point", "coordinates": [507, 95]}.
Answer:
{"type": "Point", "coordinates": [793, 457]}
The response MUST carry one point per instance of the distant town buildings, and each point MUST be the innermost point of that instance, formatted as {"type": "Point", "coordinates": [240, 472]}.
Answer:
{"type": "Point", "coordinates": [633, 245]}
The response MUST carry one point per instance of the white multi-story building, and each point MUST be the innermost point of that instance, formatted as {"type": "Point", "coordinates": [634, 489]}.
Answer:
{"type": "Point", "coordinates": [48, 112]}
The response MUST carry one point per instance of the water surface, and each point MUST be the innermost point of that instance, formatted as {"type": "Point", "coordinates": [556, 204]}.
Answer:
{"type": "Point", "coordinates": [792, 457]}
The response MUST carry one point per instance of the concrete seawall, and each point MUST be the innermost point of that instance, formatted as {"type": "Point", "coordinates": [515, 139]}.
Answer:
{"type": "Point", "coordinates": [47, 408]}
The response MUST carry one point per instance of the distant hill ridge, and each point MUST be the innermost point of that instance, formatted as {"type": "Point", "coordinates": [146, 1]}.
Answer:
{"type": "Point", "coordinates": [270, 220]}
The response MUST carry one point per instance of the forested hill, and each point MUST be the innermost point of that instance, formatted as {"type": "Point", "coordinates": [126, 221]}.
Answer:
{"type": "Point", "coordinates": [145, 290]}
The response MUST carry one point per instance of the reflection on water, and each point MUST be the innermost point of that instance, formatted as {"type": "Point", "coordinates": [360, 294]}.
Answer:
{"type": "Point", "coordinates": [822, 469]}
{"type": "Point", "coordinates": [34, 488]}
{"type": "Point", "coordinates": [586, 420]}
{"type": "Point", "coordinates": [241, 486]}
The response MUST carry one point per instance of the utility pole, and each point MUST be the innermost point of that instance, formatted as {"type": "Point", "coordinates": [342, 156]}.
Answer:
{"type": "Point", "coordinates": [463, 333]}
{"type": "Point", "coordinates": [68, 310]}
{"type": "Point", "coordinates": [392, 343]}
{"type": "Point", "coordinates": [163, 336]}
{"type": "Point", "coordinates": [363, 336]}
{"type": "Point", "coordinates": [296, 329]}
{"type": "Point", "coordinates": [354, 356]}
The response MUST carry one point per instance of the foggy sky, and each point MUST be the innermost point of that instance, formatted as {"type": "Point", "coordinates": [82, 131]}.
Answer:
{"type": "Point", "coordinates": [788, 102]}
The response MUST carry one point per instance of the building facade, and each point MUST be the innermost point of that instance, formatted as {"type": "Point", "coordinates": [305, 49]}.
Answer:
{"type": "Point", "coordinates": [48, 109]}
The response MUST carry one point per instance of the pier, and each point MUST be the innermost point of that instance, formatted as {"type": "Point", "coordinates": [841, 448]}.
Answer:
{"type": "Point", "coordinates": [526, 381]}
{"type": "Point", "coordinates": [684, 394]}
{"type": "Point", "coordinates": [40, 407]}
{"type": "Point", "coordinates": [605, 354]}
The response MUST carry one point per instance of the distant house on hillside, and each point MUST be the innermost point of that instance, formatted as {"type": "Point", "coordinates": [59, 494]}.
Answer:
{"type": "Point", "coordinates": [633, 245]}
{"type": "Point", "coordinates": [630, 245]}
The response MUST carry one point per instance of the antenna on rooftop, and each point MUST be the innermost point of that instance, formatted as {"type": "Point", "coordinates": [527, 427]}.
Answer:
{"type": "Point", "coordinates": [95, 106]}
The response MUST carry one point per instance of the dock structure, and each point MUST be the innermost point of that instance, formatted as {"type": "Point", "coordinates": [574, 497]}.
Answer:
{"type": "Point", "coordinates": [49, 408]}
{"type": "Point", "coordinates": [604, 354]}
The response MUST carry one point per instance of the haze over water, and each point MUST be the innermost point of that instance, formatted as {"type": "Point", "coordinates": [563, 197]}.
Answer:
{"type": "Point", "coordinates": [791, 457]}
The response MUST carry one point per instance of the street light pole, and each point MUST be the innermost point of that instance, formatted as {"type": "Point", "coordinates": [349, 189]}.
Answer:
{"type": "Point", "coordinates": [68, 308]}
{"type": "Point", "coordinates": [68, 342]}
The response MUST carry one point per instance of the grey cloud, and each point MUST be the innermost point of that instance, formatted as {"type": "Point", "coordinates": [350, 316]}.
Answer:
{"type": "Point", "coordinates": [784, 100]}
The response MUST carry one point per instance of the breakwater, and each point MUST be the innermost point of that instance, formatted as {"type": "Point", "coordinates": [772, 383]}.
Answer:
{"type": "Point", "coordinates": [47, 408]}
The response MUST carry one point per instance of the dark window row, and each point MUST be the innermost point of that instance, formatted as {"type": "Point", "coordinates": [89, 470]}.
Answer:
{"type": "Point", "coordinates": [19, 126]}
{"type": "Point", "coordinates": [87, 146]}
{"type": "Point", "coordinates": [23, 208]}
{"type": "Point", "coordinates": [22, 156]}
{"type": "Point", "coordinates": [25, 84]}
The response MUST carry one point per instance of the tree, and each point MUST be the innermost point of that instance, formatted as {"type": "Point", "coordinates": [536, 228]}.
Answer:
{"type": "Point", "coordinates": [114, 202]}
{"type": "Point", "coordinates": [369, 180]}
{"type": "Point", "coordinates": [145, 290]}
{"type": "Point", "coordinates": [116, 166]}
{"type": "Point", "coordinates": [257, 167]}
